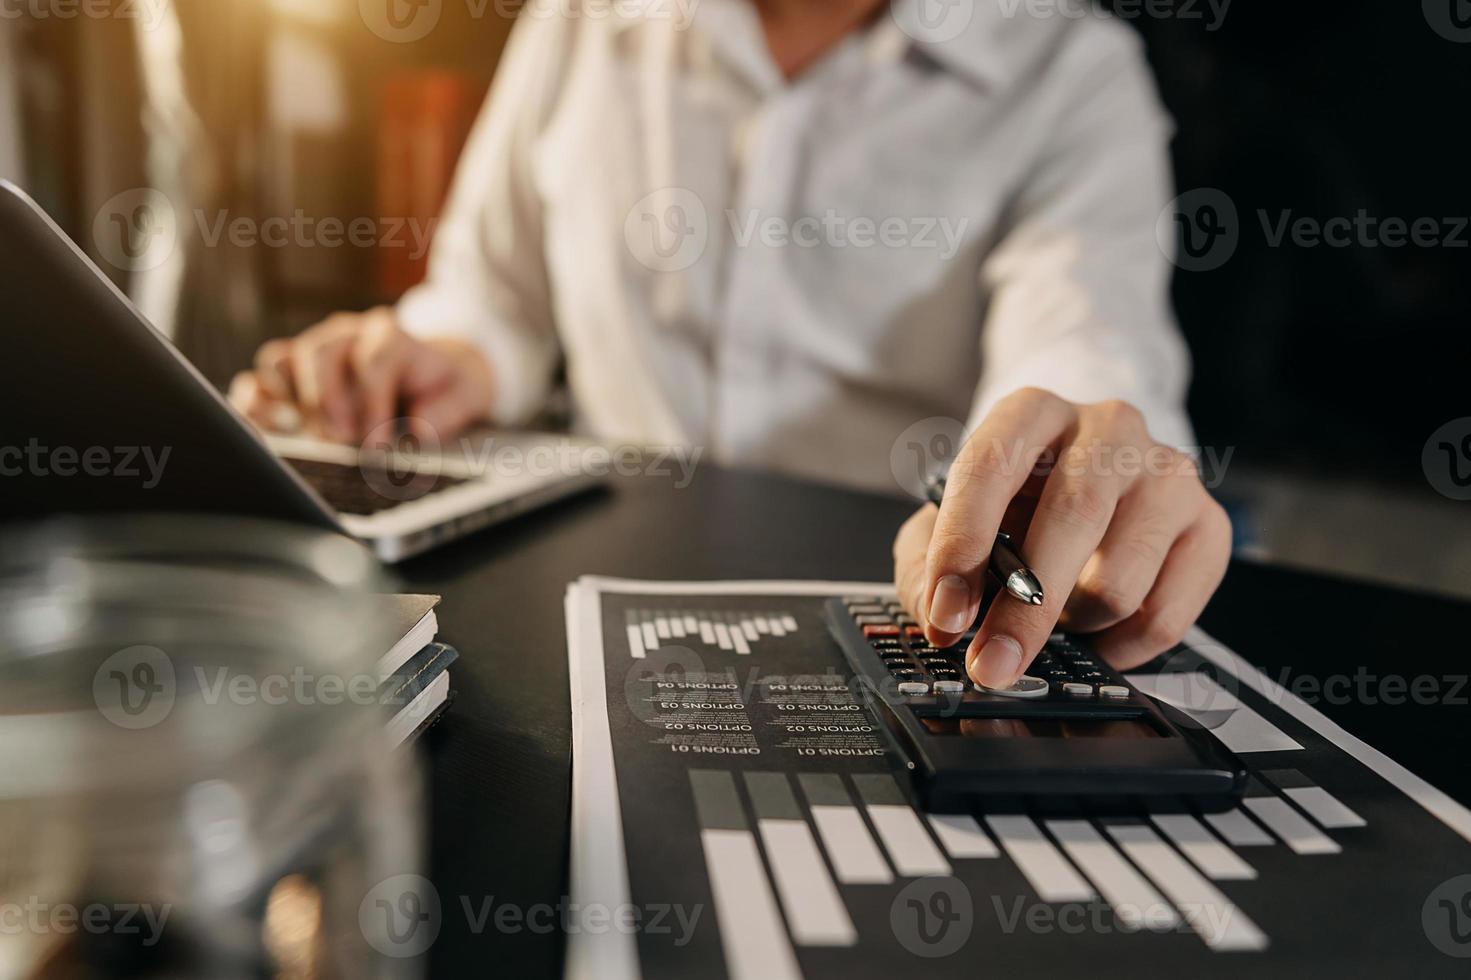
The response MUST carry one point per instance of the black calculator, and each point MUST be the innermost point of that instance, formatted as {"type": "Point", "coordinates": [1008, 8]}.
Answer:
{"type": "Point", "coordinates": [1071, 735]}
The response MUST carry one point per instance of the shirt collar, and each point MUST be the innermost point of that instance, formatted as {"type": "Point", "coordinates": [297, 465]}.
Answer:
{"type": "Point", "coordinates": [975, 39]}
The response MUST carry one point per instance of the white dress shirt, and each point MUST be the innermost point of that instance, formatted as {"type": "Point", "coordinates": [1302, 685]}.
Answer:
{"type": "Point", "coordinates": [791, 274]}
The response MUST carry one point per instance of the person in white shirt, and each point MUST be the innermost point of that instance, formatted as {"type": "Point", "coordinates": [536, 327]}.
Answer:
{"type": "Point", "coordinates": [787, 231]}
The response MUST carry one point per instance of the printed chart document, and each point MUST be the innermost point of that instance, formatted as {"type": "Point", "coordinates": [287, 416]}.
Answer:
{"type": "Point", "coordinates": [737, 812]}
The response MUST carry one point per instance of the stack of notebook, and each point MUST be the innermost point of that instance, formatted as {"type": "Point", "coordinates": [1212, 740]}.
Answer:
{"type": "Point", "coordinates": [415, 670]}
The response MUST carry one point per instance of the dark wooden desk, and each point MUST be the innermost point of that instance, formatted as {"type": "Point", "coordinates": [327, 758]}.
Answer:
{"type": "Point", "coordinates": [501, 760]}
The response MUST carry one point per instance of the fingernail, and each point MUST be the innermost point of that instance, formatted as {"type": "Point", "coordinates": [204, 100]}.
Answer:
{"type": "Point", "coordinates": [950, 608]}
{"type": "Point", "coordinates": [998, 663]}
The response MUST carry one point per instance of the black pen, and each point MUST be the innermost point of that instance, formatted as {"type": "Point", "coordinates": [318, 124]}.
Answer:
{"type": "Point", "coordinates": [1006, 562]}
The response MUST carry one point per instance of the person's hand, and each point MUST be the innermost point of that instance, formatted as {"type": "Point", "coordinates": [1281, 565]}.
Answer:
{"type": "Point", "coordinates": [1123, 536]}
{"type": "Point", "coordinates": [344, 378]}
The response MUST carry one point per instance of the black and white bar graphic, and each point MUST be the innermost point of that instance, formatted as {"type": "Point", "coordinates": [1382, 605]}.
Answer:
{"type": "Point", "coordinates": [1320, 804]}
{"type": "Point", "coordinates": [1214, 859]}
{"type": "Point", "coordinates": [854, 853]}
{"type": "Point", "coordinates": [739, 632]}
{"type": "Point", "coordinates": [1282, 819]}
{"type": "Point", "coordinates": [1134, 901]}
{"type": "Point", "coordinates": [635, 636]}
{"type": "Point", "coordinates": [1219, 923]}
{"type": "Point", "coordinates": [961, 836]}
{"type": "Point", "coordinates": [753, 939]}
{"type": "Point", "coordinates": [1239, 829]}
{"type": "Point", "coordinates": [815, 912]}
{"type": "Point", "coordinates": [1045, 868]}
{"type": "Point", "coordinates": [910, 847]}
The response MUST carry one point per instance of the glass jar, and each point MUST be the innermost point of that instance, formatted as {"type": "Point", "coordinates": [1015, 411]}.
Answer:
{"type": "Point", "coordinates": [197, 780]}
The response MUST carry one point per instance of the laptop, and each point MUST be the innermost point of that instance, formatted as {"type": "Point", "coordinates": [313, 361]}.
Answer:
{"type": "Point", "coordinates": [103, 414]}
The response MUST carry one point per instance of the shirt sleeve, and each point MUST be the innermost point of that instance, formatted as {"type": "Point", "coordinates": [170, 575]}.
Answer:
{"type": "Point", "coordinates": [1078, 286]}
{"type": "Point", "coordinates": [487, 280]}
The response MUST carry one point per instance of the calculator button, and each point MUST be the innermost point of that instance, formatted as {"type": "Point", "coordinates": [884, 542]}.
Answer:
{"type": "Point", "coordinates": [904, 676]}
{"type": "Point", "coordinates": [879, 620]}
{"type": "Point", "coordinates": [872, 631]}
{"type": "Point", "coordinates": [865, 610]}
{"type": "Point", "coordinates": [1026, 686]}
{"type": "Point", "coordinates": [913, 688]}
{"type": "Point", "coordinates": [1114, 691]}
{"type": "Point", "coordinates": [861, 600]}
{"type": "Point", "coordinates": [904, 619]}
{"type": "Point", "coordinates": [1078, 690]}
{"type": "Point", "coordinates": [914, 632]}
{"type": "Point", "coordinates": [949, 687]}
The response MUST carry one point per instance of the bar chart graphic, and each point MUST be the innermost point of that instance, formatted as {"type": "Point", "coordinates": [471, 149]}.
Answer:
{"type": "Point", "coordinates": [735, 632]}
{"type": "Point", "coordinates": [822, 832]}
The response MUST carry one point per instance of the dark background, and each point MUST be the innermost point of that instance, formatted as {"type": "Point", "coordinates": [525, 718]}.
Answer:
{"type": "Point", "coordinates": [1341, 358]}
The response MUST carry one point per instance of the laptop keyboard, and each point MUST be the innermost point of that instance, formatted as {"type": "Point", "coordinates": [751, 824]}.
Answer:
{"type": "Point", "coordinates": [368, 489]}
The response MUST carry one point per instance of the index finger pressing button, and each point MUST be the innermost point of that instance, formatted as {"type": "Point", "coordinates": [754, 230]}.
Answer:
{"type": "Point", "coordinates": [1025, 686]}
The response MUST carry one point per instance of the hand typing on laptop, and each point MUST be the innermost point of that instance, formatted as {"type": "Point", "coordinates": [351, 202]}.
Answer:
{"type": "Point", "coordinates": [1119, 529]}
{"type": "Point", "coordinates": [346, 377]}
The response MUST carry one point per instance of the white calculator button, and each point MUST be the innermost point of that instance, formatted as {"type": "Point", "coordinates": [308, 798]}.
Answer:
{"type": "Point", "coordinates": [913, 688]}
{"type": "Point", "coordinates": [1113, 691]}
{"type": "Point", "coordinates": [1078, 690]}
{"type": "Point", "coordinates": [949, 687]}
{"type": "Point", "coordinates": [1026, 686]}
